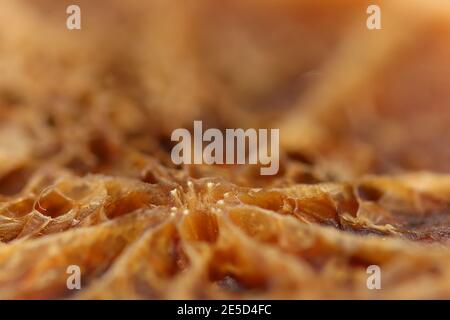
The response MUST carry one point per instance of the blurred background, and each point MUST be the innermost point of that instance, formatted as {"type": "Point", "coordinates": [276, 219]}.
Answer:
{"type": "Point", "coordinates": [348, 101]}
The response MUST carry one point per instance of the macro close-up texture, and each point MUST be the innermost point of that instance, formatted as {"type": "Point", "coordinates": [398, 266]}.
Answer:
{"type": "Point", "coordinates": [87, 179]}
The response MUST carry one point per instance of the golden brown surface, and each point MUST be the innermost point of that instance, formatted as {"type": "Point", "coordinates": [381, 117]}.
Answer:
{"type": "Point", "coordinates": [85, 171]}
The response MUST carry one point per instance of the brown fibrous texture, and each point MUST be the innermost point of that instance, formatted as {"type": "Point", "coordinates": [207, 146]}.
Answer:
{"type": "Point", "coordinates": [86, 177]}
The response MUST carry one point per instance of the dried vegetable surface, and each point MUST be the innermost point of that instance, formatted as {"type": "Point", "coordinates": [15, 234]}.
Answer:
{"type": "Point", "coordinates": [86, 176]}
